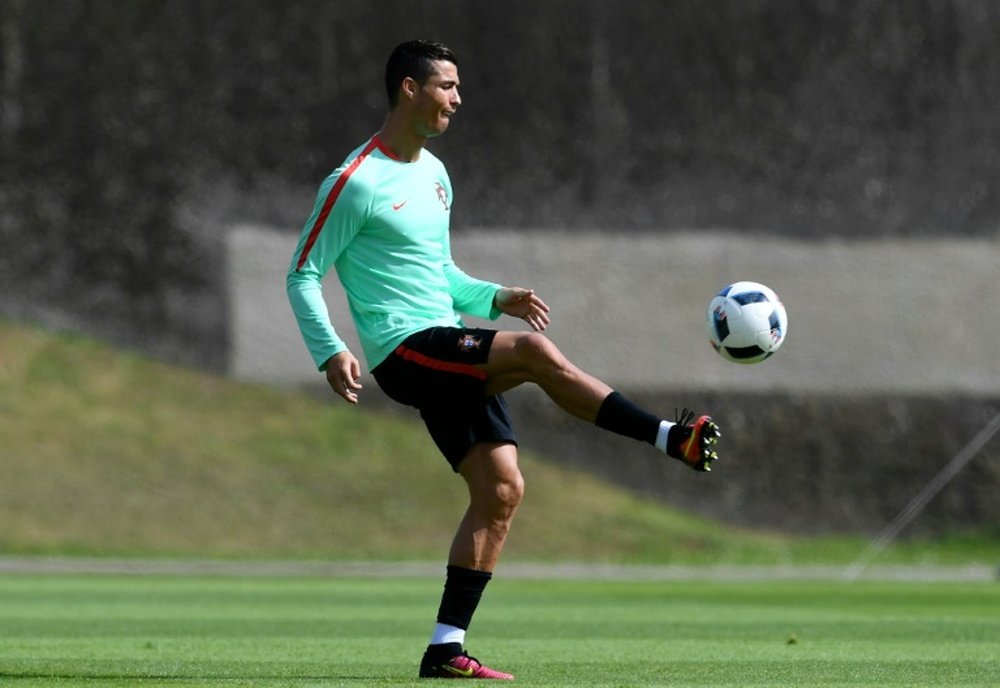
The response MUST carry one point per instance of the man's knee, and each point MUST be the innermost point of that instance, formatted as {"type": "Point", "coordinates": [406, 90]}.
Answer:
{"type": "Point", "coordinates": [498, 491]}
{"type": "Point", "coordinates": [539, 352]}
{"type": "Point", "coordinates": [501, 497]}
{"type": "Point", "coordinates": [510, 491]}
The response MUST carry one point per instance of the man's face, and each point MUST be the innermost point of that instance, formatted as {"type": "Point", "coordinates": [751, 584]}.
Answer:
{"type": "Point", "coordinates": [437, 100]}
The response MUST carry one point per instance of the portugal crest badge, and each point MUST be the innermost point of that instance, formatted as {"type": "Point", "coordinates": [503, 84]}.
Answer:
{"type": "Point", "coordinates": [442, 194]}
{"type": "Point", "coordinates": [468, 342]}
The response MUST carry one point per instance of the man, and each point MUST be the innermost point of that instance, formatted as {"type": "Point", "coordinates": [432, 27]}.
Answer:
{"type": "Point", "coordinates": [382, 220]}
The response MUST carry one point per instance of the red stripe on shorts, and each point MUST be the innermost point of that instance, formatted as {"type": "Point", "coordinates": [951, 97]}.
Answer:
{"type": "Point", "coordinates": [331, 198]}
{"type": "Point", "coordinates": [437, 364]}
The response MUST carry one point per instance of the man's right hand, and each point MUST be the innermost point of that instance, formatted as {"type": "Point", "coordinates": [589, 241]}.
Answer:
{"type": "Point", "coordinates": [343, 372]}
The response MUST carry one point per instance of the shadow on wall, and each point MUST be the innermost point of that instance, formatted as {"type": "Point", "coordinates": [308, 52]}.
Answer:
{"type": "Point", "coordinates": [803, 463]}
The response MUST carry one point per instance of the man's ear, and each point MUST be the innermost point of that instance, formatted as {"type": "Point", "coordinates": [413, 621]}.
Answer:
{"type": "Point", "coordinates": [409, 87]}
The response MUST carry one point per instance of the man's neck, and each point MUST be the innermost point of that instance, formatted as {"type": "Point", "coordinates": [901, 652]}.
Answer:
{"type": "Point", "coordinates": [399, 141]}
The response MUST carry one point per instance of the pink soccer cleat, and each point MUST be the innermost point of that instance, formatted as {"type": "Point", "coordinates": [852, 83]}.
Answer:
{"type": "Point", "coordinates": [461, 666]}
{"type": "Point", "coordinates": [694, 443]}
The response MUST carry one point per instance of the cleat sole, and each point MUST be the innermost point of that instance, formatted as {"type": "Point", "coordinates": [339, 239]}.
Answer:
{"type": "Point", "coordinates": [699, 452]}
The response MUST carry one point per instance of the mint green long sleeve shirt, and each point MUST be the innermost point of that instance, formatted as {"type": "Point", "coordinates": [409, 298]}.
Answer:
{"type": "Point", "coordinates": [383, 225]}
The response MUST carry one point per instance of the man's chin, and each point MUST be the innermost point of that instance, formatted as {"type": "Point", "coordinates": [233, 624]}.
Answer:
{"type": "Point", "coordinates": [437, 130]}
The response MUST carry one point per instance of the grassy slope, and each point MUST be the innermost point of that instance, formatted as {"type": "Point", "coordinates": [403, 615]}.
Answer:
{"type": "Point", "coordinates": [110, 453]}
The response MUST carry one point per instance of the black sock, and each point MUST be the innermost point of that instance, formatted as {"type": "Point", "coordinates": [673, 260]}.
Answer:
{"type": "Point", "coordinates": [463, 589]}
{"type": "Point", "coordinates": [620, 415]}
{"type": "Point", "coordinates": [438, 654]}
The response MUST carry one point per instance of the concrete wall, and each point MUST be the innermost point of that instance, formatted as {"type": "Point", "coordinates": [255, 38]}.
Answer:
{"type": "Point", "coordinates": [864, 317]}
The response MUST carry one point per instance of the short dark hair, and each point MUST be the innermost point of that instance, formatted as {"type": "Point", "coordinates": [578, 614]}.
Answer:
{"type": "Point", "coordinates": [413, 59]}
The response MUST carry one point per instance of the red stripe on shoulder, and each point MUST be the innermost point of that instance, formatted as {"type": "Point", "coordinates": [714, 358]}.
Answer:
{"type": "Point", "coordinates": [385, 150]}
{"type": "Point", "coordinates": [437, 364]}
{"type": "Point", "coordinates": [331, 198]}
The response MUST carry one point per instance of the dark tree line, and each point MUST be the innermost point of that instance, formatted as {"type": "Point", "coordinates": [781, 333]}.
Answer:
{"type": "Point", "coordinates": [132, 132]}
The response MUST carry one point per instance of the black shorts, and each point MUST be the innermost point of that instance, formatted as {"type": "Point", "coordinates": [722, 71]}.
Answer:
{"type": "Point", "coordinates": [436, 371]}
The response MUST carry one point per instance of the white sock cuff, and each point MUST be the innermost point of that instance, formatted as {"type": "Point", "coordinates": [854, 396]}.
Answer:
{"type": "Point", "coordinates": [443, 633]}
{"type": "Point", "coordinates": [661, 435]}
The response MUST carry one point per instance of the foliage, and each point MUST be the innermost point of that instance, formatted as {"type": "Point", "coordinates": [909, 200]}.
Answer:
{"type": "Point", "coordinates": [855, 118]}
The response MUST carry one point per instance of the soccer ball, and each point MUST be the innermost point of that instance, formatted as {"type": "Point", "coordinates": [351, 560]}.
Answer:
{"type": "Point", "coordinates": [746, 322]}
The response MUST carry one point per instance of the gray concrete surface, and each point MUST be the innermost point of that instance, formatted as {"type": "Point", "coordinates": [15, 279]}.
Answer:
{"type": "Point", "coordinates": [864, 317]}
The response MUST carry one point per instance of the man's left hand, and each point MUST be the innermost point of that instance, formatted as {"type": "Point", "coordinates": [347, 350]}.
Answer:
{"type": "Point", "coordinates": [523, 303]}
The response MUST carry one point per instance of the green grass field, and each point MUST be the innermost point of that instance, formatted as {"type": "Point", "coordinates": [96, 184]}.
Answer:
{"type": "Point", "coordinates": [88, 630]}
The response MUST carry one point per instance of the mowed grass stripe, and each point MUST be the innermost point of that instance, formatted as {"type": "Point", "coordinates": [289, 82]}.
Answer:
{"type": "Point", "coordinates": [209, 631]}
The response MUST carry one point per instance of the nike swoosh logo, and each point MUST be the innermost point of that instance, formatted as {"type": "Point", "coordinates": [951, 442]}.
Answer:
{"type": "Point", "coordinates": [466, 673]}
{"type": "Point", "coordinates": [397, 206]}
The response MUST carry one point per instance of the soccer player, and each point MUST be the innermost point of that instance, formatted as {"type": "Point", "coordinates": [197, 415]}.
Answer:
{"type": "Point", "coordinates": [381, 220]}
